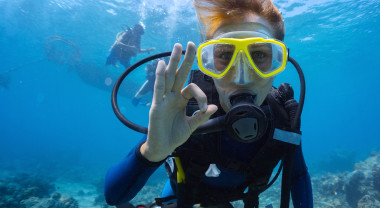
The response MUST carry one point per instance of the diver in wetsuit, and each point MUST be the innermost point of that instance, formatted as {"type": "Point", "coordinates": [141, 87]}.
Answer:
{"type": "Point", "coordinates": [126, 46]}
{"type": "Point", "coordinates": [148, 85]}
{"type": "Point", "coordinates": [238, 63]}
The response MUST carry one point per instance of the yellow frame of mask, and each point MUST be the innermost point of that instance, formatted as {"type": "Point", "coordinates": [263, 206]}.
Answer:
{"type": "Point", "coordinates": [242, 45]}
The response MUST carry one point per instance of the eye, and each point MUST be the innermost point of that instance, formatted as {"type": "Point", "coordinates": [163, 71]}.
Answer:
{"type": "Point", "coordinates": [225, 56]}
{"type": "Point", "coordinates": [260, 52]}
{"type": "Point", "coordinates": [223, 52]}
{"type": "Point", "coordinates": [257, 55]}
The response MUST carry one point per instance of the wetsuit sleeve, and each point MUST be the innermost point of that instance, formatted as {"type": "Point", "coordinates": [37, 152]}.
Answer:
{"type": "Point", "coordinates": [125, 179]}
{"type": "Point", "coordinates": [301, 190]}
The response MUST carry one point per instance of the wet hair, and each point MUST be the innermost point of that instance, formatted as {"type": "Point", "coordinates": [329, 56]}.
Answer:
{"type": "Point", "coordinates": [213, 13]}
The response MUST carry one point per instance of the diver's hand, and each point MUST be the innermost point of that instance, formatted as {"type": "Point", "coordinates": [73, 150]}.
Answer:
{"type": "Point", "coordinates": [284, 95]}
{"type": "Point", "coordinates": [149, 50]}
{"type": "Point", "coordinates": [169, 127]}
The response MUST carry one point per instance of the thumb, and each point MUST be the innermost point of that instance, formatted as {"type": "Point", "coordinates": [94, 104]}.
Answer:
{"type": "Point", "coordinates": [200, 117]}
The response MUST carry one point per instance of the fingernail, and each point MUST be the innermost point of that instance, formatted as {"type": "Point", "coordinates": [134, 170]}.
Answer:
{"type": "Point", "coordinates": [204, 107]}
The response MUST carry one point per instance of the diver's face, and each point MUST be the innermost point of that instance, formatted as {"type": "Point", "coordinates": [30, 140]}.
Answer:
{"type": "Point", "coordinates": [241, 76]}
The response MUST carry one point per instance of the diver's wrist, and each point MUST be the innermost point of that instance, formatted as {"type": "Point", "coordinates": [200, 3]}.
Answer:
{"type": "Point", "coordinates": [149, 154]}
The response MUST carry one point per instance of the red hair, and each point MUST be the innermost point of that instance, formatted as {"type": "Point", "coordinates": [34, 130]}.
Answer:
{"type": "Point", "coordinates": [213, 13]}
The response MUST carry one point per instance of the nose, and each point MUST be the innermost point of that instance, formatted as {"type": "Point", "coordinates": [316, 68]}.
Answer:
{"type": "Point", "coordinates": [242, 69]}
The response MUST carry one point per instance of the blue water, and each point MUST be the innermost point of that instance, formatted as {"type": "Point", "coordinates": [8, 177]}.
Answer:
{"type": "Point", "coordinates": [55, 121]}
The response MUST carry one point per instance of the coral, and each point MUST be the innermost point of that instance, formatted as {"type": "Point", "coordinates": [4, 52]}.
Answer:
{"type": "Point", "coordinates": [376, 178]}
{"type": "Point", "coordinates": [31, 192]}
{"type": "Point", "coordinates": [331, 185]}
{"type": "Point", "coordinates": [26, 191]}
{"type": "Point", "coordinates": [15, 189]}
{"type": "Point", "coordinates": [70, 203]}
{"type": "Point", "coordinates": [357, 189]}
{"type": "Point", "coordinates": [368, 202]}
{"type": "Point", "coordinates": [30, 202]}
{"type": "Point", "coordinates": [328, 191]}
{"type": "Point", "coordinates": [54, 202]}
{"type": "Point", "coordinates": [40, 203]}
{"type": "Point", "coordinates": [37, 186]}
{"type": "Point", "coordinates": [354, 187]}
{"type": "Point", "coordinates": [56, 196]}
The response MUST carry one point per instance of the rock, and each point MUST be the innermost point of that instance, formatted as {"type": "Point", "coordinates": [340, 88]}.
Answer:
{"type": "Point", "coordinates": [27, 191]}
{"type": "Point", "coordinates": [29, 202]}
{"type": "Point", "coordinates": [376, 178]}
{"type": "Point", "coordinates": [53, 202]}
{"type": "Point", "coordinates": [42, 186]}
{"type": "Point", "coordinates": [48, 203]}
{"type": "Point", "coordinates": [30, 192]}
{"type": "Point", "coordinates": [354, 187]}
{"type": "Point", "coordinates": [331, 185]}
{"type": "Point", "coordinates": [70, 203]}
{"type": "Point", "coordinates": [56, 196]}
{"type": "Point", "coordinates": [368, 202]}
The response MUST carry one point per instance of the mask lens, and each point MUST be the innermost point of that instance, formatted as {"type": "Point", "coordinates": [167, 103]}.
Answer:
{"type": "Point", "coordinates": [216, 57]}
{"type": "Point", "coordinates": [267, 57]}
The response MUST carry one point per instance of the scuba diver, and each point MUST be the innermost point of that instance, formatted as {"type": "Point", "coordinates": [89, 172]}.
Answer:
{"type": "Point", "coordinates": [253, 126]}
{"type": "Point", "coordinates": [127, 44]}
{"type": "Point", "coordinates": [148, 85]}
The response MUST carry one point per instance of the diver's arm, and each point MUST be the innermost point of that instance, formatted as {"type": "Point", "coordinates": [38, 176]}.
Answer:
{"type": "Point", "coordinates": [143, 89]}
{"type": "Point", "coordinates": [139, 93]}
{"type": "Point", "coordinates": [126, 47]}
{"type": "Point", "coordinates": [147, 50]}
{"type": "Point", "coordinates": [124, 180]}
{"type": "Point", "coordinates": [301, 189]}
{"type": "Point", "coordinates": [136, 49]}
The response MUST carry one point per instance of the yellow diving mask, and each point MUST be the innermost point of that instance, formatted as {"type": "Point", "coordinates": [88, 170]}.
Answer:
{"type": "Point", "coordinates": [267, 57]}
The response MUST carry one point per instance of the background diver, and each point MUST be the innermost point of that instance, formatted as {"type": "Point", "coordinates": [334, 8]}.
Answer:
{"type": "Point", "coordinates": [148, 85]}
{"type": "Point", "coordinates": [238, 63]}
{"type": "Point", "coordinates": [127, 44]}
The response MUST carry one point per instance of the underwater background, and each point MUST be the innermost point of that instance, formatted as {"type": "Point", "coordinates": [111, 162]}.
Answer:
{"type": "Point", "coordinates": [58, 131]}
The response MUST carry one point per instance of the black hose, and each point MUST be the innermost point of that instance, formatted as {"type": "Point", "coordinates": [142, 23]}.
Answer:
{"type": "Point", "coordinates": [115, 90]}
{"type": "Point", "coordinates": [289, 158]}
{"type": "Point", "coordinates": [302, 92]}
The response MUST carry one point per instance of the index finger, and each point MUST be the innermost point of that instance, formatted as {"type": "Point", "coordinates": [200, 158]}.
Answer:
{"type": "Point", "coordinates": [159, 85]}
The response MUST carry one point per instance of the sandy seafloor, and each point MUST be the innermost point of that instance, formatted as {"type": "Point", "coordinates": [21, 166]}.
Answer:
{"type": "Point", "coordinates": [359, 187]}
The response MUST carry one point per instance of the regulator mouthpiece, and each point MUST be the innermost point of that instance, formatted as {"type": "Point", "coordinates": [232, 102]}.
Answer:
{"type": "Point", "coordinates": [245, 122]}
